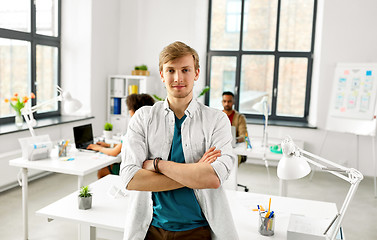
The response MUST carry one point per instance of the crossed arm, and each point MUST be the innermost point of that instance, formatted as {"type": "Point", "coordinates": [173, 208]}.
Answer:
{"type": "Point", "coordinates": [174, 175]}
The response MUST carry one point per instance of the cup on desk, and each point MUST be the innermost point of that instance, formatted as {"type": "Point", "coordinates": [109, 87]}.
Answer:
{"type": "Point", "coordinates": [266, 224]}
{"type": "Point", "coordinates": [63, 148]}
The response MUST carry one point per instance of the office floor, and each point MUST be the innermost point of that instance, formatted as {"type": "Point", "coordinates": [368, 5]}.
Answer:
{"type": "Point", "coordinates": [359, 222]}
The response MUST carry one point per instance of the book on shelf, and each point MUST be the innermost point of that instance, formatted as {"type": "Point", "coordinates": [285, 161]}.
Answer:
{"type": "Point", "coordinates": [117, 105]}
{"type": "Point", "coordinates": [132, 89]}
{"type": "Point", "coordinates": [118, 87]}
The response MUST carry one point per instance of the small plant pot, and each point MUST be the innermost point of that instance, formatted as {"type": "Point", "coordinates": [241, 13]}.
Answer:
{"type": "Point", "coordinates": [85, 203]}
{"type": "Point", "coordinates": [108, 134]}
{"type": "Point", "coordinates": [140, 72]}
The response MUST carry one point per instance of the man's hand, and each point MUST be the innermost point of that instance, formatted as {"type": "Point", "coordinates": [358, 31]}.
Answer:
{"type": "Point", "coordinates": [148, 165]}
{"type": "Point", "coordinates": [210, 156]}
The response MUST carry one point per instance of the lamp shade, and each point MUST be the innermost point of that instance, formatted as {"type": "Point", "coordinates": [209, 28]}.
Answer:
{"type": "Point", "coordinates": [70, 104]}
{"type": "Point", "coordinates": [292, 167]}
{"type": "Point", "coordinates": [260, 106]}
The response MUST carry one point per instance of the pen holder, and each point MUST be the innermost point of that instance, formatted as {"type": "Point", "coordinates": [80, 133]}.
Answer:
{"type": "Point", "coordinates": [266, 225]}
{"type": "Point", "coordinates": [62, 149]}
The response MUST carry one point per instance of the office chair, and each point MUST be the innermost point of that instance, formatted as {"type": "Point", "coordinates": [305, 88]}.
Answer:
{"type": "Point", "coordinates": [242, 159]}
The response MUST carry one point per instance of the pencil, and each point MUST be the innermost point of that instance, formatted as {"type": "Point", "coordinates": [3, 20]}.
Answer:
{"type": "Point", "coordinates": [65, 145]}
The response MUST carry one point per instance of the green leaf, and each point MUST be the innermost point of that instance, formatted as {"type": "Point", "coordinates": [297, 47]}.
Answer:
{"type": "Point", "coordinates": [143, 67]}
{"type": "Point", "coordinates": [204, 91]}
{"type": "Point", "coordinates": [158, 98]}
{"type": "Point", "coordinates": [85, 192]}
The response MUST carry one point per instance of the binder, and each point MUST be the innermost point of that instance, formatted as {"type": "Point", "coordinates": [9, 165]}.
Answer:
{"type": "Point", "coordinates": [118, 87]}
{"type": "Point", "coordinates": [117, 105]}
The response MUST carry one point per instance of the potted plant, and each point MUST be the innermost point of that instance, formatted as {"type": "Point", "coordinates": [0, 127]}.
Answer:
{"type": "Point", "coordinates": [108, 131]}
{"type": "Point", "coordinates": [85, 198]}
{"type": "Point", "coordinates": [141, 70]}
{"type": "Point", "coordinates": [18, 103]}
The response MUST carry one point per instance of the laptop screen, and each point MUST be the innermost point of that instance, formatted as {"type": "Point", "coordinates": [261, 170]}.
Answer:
{"type": "Point", "coordinates": [83, 136]}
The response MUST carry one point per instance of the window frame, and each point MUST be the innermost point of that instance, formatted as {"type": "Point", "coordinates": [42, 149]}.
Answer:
{"type": "Point", "coordinates": [35, 39]}
{"type": "Point", "coordinates": [277, 55]}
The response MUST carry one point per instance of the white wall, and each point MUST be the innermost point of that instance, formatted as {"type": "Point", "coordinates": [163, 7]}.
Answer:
{"type": "Point", "coordinates": [90, 36]}
{"type": "Point", "coordinates": [147, 26]}
{"type": "Point", "coordinates": [104, 61]}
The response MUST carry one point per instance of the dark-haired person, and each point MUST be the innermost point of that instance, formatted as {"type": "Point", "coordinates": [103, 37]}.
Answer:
{"type": "Point", "coordinates": [176, 155]}
{"type": "Point", "coordinates": [134, 102]}
{"type": "Point", "coordinates": [236, 119]}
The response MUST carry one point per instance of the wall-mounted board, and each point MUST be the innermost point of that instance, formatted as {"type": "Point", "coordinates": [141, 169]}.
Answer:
{"type": "Point", "coordinates": [353, 99]}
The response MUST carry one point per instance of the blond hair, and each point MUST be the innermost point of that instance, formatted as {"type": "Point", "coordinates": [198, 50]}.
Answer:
{"type": "Point", "coordinates": [176, 50]}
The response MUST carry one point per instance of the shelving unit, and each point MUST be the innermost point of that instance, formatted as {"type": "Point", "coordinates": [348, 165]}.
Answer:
{"type": "Point", "coordinates": [118, 88]}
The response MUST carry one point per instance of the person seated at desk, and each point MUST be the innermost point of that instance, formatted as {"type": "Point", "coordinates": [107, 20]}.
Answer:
{"type": "Point", "coordinates": [134, 102]}
{"type": "Point", "coordinates": [236, 119]}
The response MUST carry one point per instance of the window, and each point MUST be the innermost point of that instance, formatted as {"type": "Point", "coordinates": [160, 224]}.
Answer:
{"type": "Point", "coordinates": [29, 54]}
{"type": "Point", "coordinates": [233, 16]}
{"type": "Point", "coordinates": [262, 48]}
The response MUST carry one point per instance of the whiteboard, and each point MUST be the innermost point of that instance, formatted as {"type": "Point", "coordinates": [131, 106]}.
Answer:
{"type": "Point", "coordinates": [353, 99]}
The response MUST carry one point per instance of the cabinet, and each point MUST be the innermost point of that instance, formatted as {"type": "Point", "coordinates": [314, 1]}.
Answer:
{"type": "Point", "coordinates": [118, 88]}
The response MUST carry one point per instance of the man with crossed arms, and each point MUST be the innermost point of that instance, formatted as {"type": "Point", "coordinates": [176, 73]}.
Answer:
{"type": "Point", "coordinates": [176, 155]}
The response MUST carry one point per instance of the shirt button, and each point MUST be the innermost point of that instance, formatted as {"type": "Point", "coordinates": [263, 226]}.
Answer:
{"type": "Point", "coordinates": [185, 145]}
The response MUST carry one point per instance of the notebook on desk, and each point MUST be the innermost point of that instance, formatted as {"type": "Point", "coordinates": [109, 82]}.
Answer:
{"type": "Point", "coordinates": [83, 136]}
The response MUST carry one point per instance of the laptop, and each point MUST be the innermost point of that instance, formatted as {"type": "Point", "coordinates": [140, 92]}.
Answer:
{"type": "Point", "coordinates": [83, 136]}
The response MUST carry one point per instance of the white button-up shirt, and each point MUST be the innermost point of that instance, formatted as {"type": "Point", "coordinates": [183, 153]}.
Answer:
{"type": "Point", "coordinates": [150, 134]}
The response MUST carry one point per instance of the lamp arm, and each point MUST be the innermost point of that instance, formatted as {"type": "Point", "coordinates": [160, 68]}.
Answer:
{"type": "Point", "coordinates": [353, 174]}
{"type": "Point", "coordinates": [27, 113]}
{"type": "Point", "coordinates": [354, 178]}
{"type": "Point", "coordinates": [323, 160]}
{"type": "Point", "coordinates": [351, 193]}
{"type": "Point", "coordinates": [48, 102]}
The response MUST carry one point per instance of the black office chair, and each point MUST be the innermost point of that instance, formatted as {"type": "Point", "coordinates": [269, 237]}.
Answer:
{"type": "Point", "coordinates": [242, 160]}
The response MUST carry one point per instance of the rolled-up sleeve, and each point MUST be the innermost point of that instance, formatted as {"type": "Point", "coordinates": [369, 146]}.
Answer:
{"type": "Point", "coordinates": [134, 149]}
{"type": "Point", "coordinates": [222, 139]}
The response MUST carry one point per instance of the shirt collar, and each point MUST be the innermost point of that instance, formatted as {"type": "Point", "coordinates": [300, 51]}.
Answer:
{"type": "Point", "coordinates": [190, 110]}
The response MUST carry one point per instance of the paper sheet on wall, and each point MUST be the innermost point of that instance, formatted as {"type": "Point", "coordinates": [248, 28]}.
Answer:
{"type": "Point", "coordinates": [353, 99]}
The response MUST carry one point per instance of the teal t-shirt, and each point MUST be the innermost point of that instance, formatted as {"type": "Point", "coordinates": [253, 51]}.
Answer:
{"type": "Point", "coordinates": [177, 210]}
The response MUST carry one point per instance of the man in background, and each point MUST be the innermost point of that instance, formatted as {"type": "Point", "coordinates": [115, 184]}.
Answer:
{"type": "Point", "coordinates": [236, 119]}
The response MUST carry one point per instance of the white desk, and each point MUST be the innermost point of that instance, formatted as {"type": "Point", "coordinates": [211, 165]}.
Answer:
{"type": "Point", "coordinates": [264, 154]}
{"type": "Point", "coordinates": [109, 213]}
{"type": "Point", "coordinates": [257, 151]}
{"type": "Point", "coordinates": [83, 164]}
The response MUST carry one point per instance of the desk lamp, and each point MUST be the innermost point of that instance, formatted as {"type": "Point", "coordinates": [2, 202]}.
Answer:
{"type": "Point", "coordinates": [294, 165]}
{"type": "Point", "coordinates": [262, 107]}
{"type": "Point", "coordinates": [70, 105]}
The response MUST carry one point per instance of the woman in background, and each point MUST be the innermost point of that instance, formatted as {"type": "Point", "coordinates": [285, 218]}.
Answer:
{"type": "Point", "coordinates": [134, 102]}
